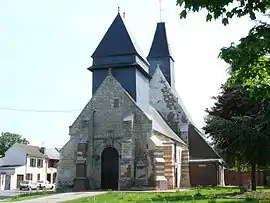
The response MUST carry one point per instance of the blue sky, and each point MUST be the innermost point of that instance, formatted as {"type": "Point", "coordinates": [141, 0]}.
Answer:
{"type": "Point", "coordinates": [45, 48]}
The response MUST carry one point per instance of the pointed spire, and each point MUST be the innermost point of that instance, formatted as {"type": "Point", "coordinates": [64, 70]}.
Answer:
{"type": "Point", "coordinates": [160, 46]}
{"type": "Point", "coordinates": [116, 41]}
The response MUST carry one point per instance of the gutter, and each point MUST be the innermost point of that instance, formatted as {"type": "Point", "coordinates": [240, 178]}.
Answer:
{"type": "Point", "coordinates": [25, 166]}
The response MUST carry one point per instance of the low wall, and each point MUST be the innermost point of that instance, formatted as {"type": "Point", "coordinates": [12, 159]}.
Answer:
{"type": "Point", "coordinates": [232, 178]}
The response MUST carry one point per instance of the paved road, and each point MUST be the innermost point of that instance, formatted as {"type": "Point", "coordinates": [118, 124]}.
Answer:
{"type": "Point", "coordinates": [61, 197]}
{"type": "Point", "coordinates": [11, 193]}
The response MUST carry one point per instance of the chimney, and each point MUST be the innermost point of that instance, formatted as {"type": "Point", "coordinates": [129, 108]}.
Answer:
{"type": "Point", "coordinates": [42, 150]}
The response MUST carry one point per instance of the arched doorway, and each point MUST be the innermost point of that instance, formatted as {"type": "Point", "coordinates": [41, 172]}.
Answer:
{"type": "Point", "coordinates": [109, 168]}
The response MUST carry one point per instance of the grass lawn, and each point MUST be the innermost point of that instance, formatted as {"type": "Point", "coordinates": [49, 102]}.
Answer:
{"type": "Point", "coordinates": [194, 196]}
{"type": "Point", "coordinates": [26, 196]}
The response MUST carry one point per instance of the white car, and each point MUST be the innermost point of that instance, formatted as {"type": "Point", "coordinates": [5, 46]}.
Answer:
{"type": "Point", "coordinates": [45, 184]}
{"type": "Point", "coordinates": [29, 185]}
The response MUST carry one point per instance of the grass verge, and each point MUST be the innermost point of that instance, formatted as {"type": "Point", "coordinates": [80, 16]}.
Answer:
{"type": "Point", "coordinates": [118, 197]}
{"type": "Point", "coordinates": [201, 195]}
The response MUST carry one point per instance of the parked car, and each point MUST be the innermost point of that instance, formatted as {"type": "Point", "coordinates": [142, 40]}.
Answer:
{"type": "Point", "coordinates": [45, 184]}
{"type": "Point", "coordinates": [28, 184]}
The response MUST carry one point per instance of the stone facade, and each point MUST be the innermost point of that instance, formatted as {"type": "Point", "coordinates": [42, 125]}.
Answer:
{"type": "Point", "coordinates": [134, 132]}
{"type": "Point", "coordinates": [104, 124]}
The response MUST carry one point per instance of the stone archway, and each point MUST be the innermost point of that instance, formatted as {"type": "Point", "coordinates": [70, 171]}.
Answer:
{"type": "Point", "coordinates": [109, 168]}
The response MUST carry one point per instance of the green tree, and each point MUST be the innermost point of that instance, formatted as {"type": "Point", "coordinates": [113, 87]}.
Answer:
{"type": "Point", "coordinates": [239, 128]}
{"type": "Point", "coordinates": [8, 139]}
{"type": "Point", "coordinates": [249, 60]}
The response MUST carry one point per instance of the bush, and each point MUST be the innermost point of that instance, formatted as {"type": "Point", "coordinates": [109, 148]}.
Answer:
{"type": "Point", "coordinates": [265, 201]}
{"type": "Point", "coordinates": [250, 196]}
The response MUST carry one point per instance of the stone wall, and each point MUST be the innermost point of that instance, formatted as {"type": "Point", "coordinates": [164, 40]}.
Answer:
{"type": "Point", "coordinates": [66, 170]}
{"type": "Point", "coordinates": [169, 164]}
{"type": "Point", "coordinates": [185, 174]}
{"type": "Point", "coordinates": [113, 119]}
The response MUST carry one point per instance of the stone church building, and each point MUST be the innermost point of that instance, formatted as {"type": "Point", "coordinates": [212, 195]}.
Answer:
{"type": "Point", "coordinates": [135, 132]}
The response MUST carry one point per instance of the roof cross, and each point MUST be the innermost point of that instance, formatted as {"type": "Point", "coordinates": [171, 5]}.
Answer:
{"type": "Point", "coordinates": [160, 10]}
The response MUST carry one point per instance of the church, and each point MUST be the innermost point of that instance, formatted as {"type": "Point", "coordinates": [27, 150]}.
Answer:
{"type": "Point", "coordinates": [135, 133]}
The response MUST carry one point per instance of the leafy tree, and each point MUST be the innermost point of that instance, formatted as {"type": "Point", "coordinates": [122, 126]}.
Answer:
{"type": "Point", "coordinates": [249, 66]}
{"type": "Point", "coordinates": [8, 139]}
{"type": "Point", "coordinates": [249, 60]}
{"type": "Point", "coordinates": [239, 128]}
{"type": "Point", "coordinates": [225, 9]}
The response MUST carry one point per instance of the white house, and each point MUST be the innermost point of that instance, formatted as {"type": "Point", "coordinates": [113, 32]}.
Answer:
{"type": "Point", "coordinates": [27, 162]}
{"type": "Point", "coordinates": [51, 162]}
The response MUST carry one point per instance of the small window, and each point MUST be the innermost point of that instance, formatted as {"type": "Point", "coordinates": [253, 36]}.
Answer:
{"type": "Point", "coordinates": [38, 177]}
{"type": "Point", "coordinates": [32, 162]}
{"type": "Point", "coordinates": [116, 103]}
{"type": "Point", "coordinates": [52, 164]}
{"type": "Point", "coordinates": [29, 176]}
{"type": "Point", "coordinates": [128, 124]}
{"type": "Point", "coordinates": [40, 163]}
{"type": "Point", "coordinates": [110, 133]}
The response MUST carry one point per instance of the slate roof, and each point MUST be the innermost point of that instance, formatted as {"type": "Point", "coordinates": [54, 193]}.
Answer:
{"type": "Point", "coordinates": [199, 147]}
{"type": "Point", "coordinates": [161, 126]}
{"type": "Point", "coordinates": [52, 153]}
{"type": "Point", "coordinates": [9, 166]}
{"type": "Point", "coordinates": [32, 150]}
{"type": "Point", "coordinates": [160, 45]}
{"type": "Point", "coordinates": [117, 41]}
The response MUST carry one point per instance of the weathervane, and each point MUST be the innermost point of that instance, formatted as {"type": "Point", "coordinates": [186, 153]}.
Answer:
{"type": "Point", "coordinates": [160, 10]}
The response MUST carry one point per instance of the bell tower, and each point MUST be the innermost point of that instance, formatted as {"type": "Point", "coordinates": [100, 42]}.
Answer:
{"type": "Point", "coordinates": [118, 51]}
{"type": "Point", "coordinates": [160, 55]}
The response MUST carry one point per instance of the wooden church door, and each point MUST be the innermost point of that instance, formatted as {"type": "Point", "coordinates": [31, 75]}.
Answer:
{"type": "Point", "coordinates": [109, 168]}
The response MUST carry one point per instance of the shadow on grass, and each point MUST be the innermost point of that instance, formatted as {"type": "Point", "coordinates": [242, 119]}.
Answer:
{"type": "Point", "coordinates": [183, 198]}
{"type": "Point", "coordinates": [177, 198]}
{"type": "Point", "coordinates": [194, 199]}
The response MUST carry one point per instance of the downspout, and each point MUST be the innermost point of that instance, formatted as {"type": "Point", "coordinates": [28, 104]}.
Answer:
{"type": "Point", "coordinates": [25, 165]}
{"type": "Point", "coordinates": [46, 168]}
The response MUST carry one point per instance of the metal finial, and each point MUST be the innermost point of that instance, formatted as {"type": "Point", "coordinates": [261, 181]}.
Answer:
{"type": "Point", "coordinates": [118, 9]}
{"type": "Point", "coordinates": [124, 15]}
{"type": "Point", "coordinates": [160, 10]}
{"type": "Point", "coordinates": [109, 71]}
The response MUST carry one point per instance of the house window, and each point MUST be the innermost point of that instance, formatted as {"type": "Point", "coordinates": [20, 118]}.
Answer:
{"type": "Point", "coordinates": [40, 163]}
{"type": "Point", "coordinates": [32, 162]}
{"type": "Point", "coordinates": [29, 176]}
{"type": "Point", "coordinates": [52, 164]}
{"type": "Point", "coordinates": [54, 177]}
{"type": "Point", "coordinates": [38, 177]}
{"type": "Point", "coordinates": [116, 103]}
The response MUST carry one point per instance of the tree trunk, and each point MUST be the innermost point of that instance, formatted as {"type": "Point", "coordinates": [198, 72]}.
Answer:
{"type": "Point", "coordinates": [240, 177]}
{"type": "Point", "coordinates": [253, 175]}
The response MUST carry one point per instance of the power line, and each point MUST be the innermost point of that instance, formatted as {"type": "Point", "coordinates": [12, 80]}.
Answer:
{"type": "Point", "coordinates": [39, 111]}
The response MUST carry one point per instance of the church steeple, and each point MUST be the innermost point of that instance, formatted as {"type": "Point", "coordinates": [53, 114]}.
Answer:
{"type": "Point", "coordinates": [117, 42]}
{"type": "Point", "coordinates": [160, 55]}
{"type": "Point", "coordinates": [119, 52]}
